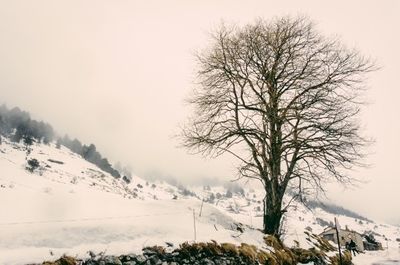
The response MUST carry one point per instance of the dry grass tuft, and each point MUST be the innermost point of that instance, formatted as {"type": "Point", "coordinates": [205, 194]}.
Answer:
{"type": "Point", "coordinates": [346, 259]}
{"type": "Point", "coordinates": [273, 242]}
{"type": "Point", "coordinates": [230, 249]}
{"type": "Point", "coordinates": [64, 260]}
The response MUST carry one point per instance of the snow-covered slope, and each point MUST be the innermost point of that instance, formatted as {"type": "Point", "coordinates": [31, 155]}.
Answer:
{"type": "Point", "coordinates": [69, 206]}
{"type": "Point", "coordinates": [246, 206]}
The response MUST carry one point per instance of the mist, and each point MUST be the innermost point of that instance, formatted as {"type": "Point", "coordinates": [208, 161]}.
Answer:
{"type": "Point", "coordinates": [116, 74]}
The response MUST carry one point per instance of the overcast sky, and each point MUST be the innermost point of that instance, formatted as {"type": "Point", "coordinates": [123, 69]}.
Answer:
{"type": "Point", "coordinates": [116, 73]}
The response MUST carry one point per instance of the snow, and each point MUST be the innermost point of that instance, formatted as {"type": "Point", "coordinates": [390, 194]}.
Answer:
{"type": "Point", "coordinates": [73, 207]}
{"type": "Point", "coordinates": [383, 257]}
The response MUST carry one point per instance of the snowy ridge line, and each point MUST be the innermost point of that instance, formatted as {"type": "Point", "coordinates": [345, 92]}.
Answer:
{"type": "Point", "coordinates": [92, 219]}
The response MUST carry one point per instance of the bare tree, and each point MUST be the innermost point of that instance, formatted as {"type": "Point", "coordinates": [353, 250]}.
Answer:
{"type": "Point", "coordinates": [283, 100]}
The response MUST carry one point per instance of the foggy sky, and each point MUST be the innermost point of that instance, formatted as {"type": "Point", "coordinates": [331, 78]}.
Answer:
{"type": "Point", "coordinates": [116, 73]}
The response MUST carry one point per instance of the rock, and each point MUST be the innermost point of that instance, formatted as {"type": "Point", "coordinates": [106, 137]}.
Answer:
{"type": "Point", "coordinates": [149, 252]}
{"type": "Point", "coordinates": [91, 262]}
{"type": "Point", "coordinates": [124, 258]}
{"type": "Point", "coordinates": [132, 262]}
{"type": "Point", "coordinates": [141, 258]}
{"type": "Point", "coordinates": [207, 261]}
{"type": "Point", "coordinates": [91, 254]}
{"type": "Point", "coordinates": [154, 260]}
{"type": "Point", "coordinates": [111, 260]}
{"type": "Point", "coordinates": [130, 257]}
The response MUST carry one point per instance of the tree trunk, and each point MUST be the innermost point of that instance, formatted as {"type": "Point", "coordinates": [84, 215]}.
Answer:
{"type": "Point", "coordinates": [272, 221]}
{"type": "Point", "coordinates": [272, 213]}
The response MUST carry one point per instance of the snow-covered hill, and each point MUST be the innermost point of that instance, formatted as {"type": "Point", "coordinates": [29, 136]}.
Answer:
{"type": "Point", "coordinates": [69, 206]}
{"type": "Point", "coordinates": [246, 207]}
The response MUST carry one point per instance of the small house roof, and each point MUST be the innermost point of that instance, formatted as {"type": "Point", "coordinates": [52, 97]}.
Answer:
{"type": "Point", "coordinates": [329, 230]}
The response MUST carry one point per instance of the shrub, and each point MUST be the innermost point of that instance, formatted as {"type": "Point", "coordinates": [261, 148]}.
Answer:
{"type": "Point", "coordinates": [126, 179]}
{"type": "Point", "coordinates": [33, 164]}
{"type": "Point", "coordinates": [346, 259]}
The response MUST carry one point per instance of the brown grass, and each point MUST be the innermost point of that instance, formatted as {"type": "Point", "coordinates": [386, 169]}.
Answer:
{"type": "Point", "coordinates": [64, 260]}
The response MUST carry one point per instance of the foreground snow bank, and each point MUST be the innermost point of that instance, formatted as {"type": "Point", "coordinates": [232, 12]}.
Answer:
{"type": "Point", "coordinates": [103, 222]}
{"type": "Point", "coordinates": [389, 256]}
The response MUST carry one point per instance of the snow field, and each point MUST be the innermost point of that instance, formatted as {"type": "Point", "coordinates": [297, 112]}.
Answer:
{"type": "Point", "coordinates": [73, 207]}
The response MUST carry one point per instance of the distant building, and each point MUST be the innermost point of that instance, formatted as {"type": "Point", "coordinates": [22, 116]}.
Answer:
{"type": "Point", "coordinates": [344, 236]}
